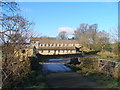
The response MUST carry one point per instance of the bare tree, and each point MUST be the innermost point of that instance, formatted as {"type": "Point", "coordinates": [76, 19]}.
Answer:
{"type": "Point", "coordinates": [90, 37]}
{"type": "Point", "coordinates": [81, 34]}
{"type": "Point", "coordinates": [115, 34]}
{"type": "Point", "coordinates": [14, 34]}
{"type": "Point", "coordinates": [116, 40]}
{"type": "Point", "coordinates": [62, 35]}
{"type": "Point", "coordinates": [81, 30]}
{"type": "Point", "coordinates": [14, 26]}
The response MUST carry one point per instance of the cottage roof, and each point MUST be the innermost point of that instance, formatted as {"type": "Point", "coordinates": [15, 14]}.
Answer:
{"type": "Point", "coordinates": [48, 40]}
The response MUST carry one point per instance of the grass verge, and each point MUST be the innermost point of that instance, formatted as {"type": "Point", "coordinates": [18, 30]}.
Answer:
{"type": "Point", "coordinates": [34, 80]}
{"type": "Point", "coordinates": [103, 79]}
{"type": "Point", "coordinates": [108, 56]}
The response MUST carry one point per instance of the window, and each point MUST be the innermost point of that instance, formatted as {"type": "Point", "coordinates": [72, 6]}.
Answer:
{"type": "Point", "coordinates": [48, 51]}
{"type": "Point", "coordinates": [48, 45]}
{"type": "Point", "coordinates": [45, 45]}
{"type": "Point", "coordinates": [51, 44]}
{"type": "Point", "coordinates": [58, 50]}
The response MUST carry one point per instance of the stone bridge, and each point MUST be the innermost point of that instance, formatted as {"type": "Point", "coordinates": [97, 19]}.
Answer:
{"type": "Point", "coordinates": [108, 67]}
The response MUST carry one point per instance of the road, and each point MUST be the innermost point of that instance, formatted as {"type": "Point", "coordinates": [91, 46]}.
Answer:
{"type": "Point", "coordinates": [60, 76]}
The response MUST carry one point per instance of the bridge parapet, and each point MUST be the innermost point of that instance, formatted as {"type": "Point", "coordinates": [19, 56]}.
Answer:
{"type": "Point", "coordinates": [109, 67]}
{"type": "Point", "coordinates": [104, 66]}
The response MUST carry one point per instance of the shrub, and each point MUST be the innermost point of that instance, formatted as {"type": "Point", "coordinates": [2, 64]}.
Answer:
{"type": "Point", "coordinates": [87, 63]}
{"type": "Point", "coordinates": [74, 61]}
{"type": "Point", "coordinates": [34, 63]}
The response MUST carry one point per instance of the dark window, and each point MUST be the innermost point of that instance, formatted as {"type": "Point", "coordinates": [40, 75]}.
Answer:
{"type": "Point", "coordinates": [58, 50]}
{"type": "Point", "coordinates": [23, 51]}
{"type": "Point", "coordinates": [48, 51]}
{"type": "Point", "coordinates": [48, 44]}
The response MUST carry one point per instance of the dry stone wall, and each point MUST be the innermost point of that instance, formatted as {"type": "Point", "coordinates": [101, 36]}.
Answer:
{"type": "Point", "coordinates": [108, 67]}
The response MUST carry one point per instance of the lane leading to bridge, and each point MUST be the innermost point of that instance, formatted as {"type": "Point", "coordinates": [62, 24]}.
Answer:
{"type": "Point", "coordinates": [60, 76]}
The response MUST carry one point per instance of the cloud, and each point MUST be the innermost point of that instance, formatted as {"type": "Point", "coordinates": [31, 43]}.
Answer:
{"type": "Point", "coordinates": [66, 29]}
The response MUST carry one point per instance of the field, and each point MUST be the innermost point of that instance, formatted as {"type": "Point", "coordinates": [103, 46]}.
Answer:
{"type": "Point", "coordinates": [108, 56]}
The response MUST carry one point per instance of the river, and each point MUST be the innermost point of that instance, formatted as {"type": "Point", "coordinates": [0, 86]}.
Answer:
{"type": "Point", "coordinates": [56, 65]}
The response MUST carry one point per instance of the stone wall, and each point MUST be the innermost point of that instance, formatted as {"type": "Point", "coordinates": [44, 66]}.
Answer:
{"type": "Point", "coordinates": [108, 67]}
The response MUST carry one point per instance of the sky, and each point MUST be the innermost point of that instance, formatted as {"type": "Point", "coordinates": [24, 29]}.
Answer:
{"type": "Point", "coordinates": [52, 17]}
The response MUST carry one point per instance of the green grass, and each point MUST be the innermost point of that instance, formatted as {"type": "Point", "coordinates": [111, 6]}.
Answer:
{"type": "Point", "coordinates": [105, 80]}
{"type": "Point", "coordinates": [108, 56]}
{"type": "Point", "coordinates": [113, 58]}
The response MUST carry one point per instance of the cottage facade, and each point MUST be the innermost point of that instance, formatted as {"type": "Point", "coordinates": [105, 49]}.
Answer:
{"type": "Point", "coordinates": [53, 46]}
